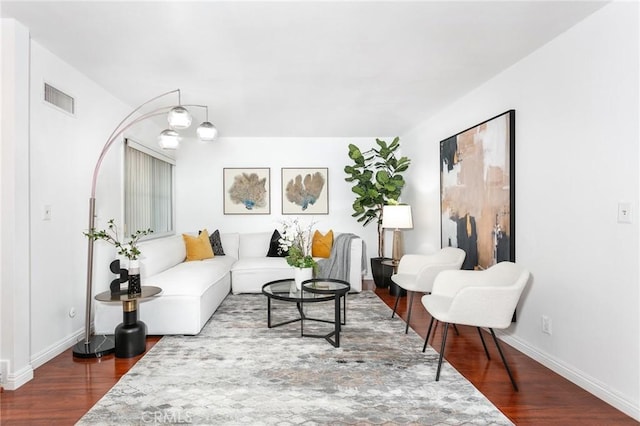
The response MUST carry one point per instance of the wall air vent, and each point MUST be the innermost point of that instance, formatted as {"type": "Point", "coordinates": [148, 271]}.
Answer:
{"type": "Point", "coordinates": [59, 99]}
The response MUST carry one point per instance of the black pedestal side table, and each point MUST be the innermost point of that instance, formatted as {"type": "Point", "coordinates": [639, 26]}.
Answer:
{"type": "Point", "coordinates": [130, 334]}
{"type": "Point", "coordinates": [394, 289]}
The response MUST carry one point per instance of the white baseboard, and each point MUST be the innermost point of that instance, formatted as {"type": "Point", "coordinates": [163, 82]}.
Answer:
{"type": "Point", "coordinates": [13, 380]}
{"type": "Point", "coordinates": [56, 349]}
{"type": "Point", "coordinates": [591, 385]}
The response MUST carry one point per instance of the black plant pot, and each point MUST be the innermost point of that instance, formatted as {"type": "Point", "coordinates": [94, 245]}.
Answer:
{"type": "Point", "coordinates": [381, 273]}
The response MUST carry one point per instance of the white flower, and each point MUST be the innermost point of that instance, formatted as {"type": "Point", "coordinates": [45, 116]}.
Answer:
{"type": "Point", "coordinates": [295, 234]}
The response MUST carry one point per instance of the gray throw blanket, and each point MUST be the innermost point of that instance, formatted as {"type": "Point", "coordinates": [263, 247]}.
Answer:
{"type": "Point", "coordinates": [339, 262]}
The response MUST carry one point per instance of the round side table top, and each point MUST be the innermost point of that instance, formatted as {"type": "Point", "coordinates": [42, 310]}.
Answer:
{"type": "Point", "coordinates": [123, 296]}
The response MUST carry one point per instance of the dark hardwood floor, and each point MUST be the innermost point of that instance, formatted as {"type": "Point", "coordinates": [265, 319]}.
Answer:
{"type": "Point", "coordinates": [65, 388]}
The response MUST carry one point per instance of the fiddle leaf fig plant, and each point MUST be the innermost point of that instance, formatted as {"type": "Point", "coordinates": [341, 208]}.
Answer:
{"type": "Point", "coordinates": [377, 178]}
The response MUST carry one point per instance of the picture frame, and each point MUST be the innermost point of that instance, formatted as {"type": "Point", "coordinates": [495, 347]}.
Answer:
{"type": "Point", "coordinates": [305, 190]}
{"type": "Point", "coordinates": [477, 191]}
{"type": "Point", "coordinates": [247, 190]}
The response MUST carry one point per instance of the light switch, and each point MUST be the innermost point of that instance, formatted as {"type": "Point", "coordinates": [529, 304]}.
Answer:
{"type": "Point", "coordinates": [624, 212]}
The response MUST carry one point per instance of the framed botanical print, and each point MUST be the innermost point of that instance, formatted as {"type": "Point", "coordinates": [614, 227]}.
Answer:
{"type": "Point", "coordinates": [477, 192]}
{"type": "Point", "coordinates": [305, 191]}
{"type": "Point", "coordinates": [247, 190]}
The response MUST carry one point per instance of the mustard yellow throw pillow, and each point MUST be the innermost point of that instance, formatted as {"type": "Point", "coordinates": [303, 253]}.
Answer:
{"type": "Point", "coordinates": [198, 248]}
{"type": "Point", "coordinates": [321, 244]}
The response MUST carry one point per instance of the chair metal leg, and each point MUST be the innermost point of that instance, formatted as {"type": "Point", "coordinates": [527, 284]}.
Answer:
{"type": "Point", "coordinates": [455, 327]}
{"type": "Point", "coordinates": [504, 360]}
{"type": "Point", "coordinates": [483, 344]}
{"type": "Point", "coordinates": [426, 339]}
{"type": "Point", "coordinates": [406, 329]}
{"type": "Point", "coordinates": [444, 341]}
{"type": "Point", "coordinates": [395, 306]}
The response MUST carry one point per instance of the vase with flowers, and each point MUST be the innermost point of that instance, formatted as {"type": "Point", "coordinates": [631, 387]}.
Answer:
{"type": "Point", "coordinates": [128, 248]}
{"type": "Point", "coordinates": [296, 241]}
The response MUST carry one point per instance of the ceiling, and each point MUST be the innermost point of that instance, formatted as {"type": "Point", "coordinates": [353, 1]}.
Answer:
{"type": "Point", "coordinates": [297, 68]}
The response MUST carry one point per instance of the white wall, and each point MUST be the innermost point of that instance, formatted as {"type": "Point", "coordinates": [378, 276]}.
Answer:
{"type": "Point", "coordinates": [199, 188]}
{"type": "Point", "coordinates": [60, 152]}
{"type": "Point", "coordinates": [14, 199]}
{"type": "Point", "coordinates": [64, 151]}
{"type": "Point", "coordinates": [576, 102]}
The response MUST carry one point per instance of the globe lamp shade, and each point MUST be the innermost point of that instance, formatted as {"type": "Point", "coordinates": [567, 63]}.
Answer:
{"type": "Point", "coordinates": [207, 132]}
{"type": "Point", "coordinates": [179, 118]}
{"type": "Point", "coordinates": [169, 139]}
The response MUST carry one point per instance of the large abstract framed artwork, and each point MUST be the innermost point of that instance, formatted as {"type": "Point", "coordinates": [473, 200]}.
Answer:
{"type": "Point", "coordinates": [247, 191]}
{"type": "Point", "coordinates": [305, 191]}
{"type": "Point", "coordinates": [477, 191]}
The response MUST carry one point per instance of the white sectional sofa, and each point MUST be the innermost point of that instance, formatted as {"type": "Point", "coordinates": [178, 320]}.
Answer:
{"type": "Point", "coordinates": [192, 291]}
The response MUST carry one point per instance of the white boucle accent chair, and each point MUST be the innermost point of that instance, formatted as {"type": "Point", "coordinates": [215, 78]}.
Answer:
{"type": "Point", "coordinates": [476, 298]}
{"type": "Point", "coordinates": [416, 273]}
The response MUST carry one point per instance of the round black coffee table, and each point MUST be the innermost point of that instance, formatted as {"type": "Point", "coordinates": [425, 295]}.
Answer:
{"type": "Point", "coordinates": [337, 289]}
{"type": "Point", "coordinates": [314, 290]}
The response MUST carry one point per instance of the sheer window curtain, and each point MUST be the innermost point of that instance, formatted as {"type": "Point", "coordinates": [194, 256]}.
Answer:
{"type": "Point", "coordinates": [148, 191]}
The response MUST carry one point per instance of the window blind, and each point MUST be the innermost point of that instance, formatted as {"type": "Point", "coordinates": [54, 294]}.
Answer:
{"type": "Point", "coordinates": [148, 192]}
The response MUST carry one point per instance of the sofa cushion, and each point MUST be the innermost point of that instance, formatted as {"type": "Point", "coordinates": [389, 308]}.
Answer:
{"type": "Point", "coordinates": [254, 244]}
{"type": "Point", "coordinates": [260, 263]}
{"type": "Point", "coordinates": [198, 248]}
{"type": "Point", "coordinates": [230, 242]}
{"type": "Point", "coordinates": [159, 254]}
{"type": "Point", "coordinates": [191, 278]}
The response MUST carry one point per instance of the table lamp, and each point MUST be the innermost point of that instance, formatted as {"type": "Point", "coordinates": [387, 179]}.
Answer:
{"type": "Point", "coordinates": [397, 217]}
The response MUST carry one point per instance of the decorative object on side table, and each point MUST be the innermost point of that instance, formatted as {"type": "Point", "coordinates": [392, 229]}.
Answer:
{"type": "Point", "coordinates": [128, 249]}
{"type": "Point", "coordinates": [123, 276]}
{"type": "Point", "coordinates": [296, 241]}
{"type": "Point", "coordinates": [377, 178]}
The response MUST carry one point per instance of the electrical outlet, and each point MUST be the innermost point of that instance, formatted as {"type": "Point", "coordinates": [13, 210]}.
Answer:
{"type": "Point", "coordinates": [46, 212]}
{"type": "Point", "coordinates": [546, 325]}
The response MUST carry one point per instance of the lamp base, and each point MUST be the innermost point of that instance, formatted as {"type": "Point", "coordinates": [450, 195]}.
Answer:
{"type": "Point", "coordinates": [398, 246]}
{"type": "Point", "coordinates": [97, 347]}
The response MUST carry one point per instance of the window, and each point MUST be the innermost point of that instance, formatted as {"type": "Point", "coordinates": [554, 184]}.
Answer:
{"type": "Point", "coordinates": [148, 191]}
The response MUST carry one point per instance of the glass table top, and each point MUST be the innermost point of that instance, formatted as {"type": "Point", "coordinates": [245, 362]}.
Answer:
{"type": "Point", "coordinates": [286, 290]}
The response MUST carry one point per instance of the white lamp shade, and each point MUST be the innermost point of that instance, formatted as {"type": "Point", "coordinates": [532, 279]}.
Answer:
{"type": "Point", "coordinates": [169, 139]}
{"type": "Point", "coordinates": [179, 118]}
{"type": "Point", "coordinates": [207, 132]}
{"type": "Point", "coordinates": [397, 217]}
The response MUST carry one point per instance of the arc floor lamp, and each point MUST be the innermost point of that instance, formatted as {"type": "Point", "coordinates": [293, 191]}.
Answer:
{"type": "Point", "coordinates": [178, 118]}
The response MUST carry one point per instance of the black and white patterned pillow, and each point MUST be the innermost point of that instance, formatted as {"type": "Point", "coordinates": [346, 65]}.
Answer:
{"type": "Point", "coordinates": [274, 246]}
{"type": "Point", "coordinates": [216, 244]}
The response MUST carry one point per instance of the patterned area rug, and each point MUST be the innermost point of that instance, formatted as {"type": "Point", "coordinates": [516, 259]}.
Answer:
{"type": "Point", "coordinates": [238, 371]}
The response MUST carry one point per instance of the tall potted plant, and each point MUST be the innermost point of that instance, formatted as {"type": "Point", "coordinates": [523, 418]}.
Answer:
{"type": "Point", "coordinates": [377, 178]}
